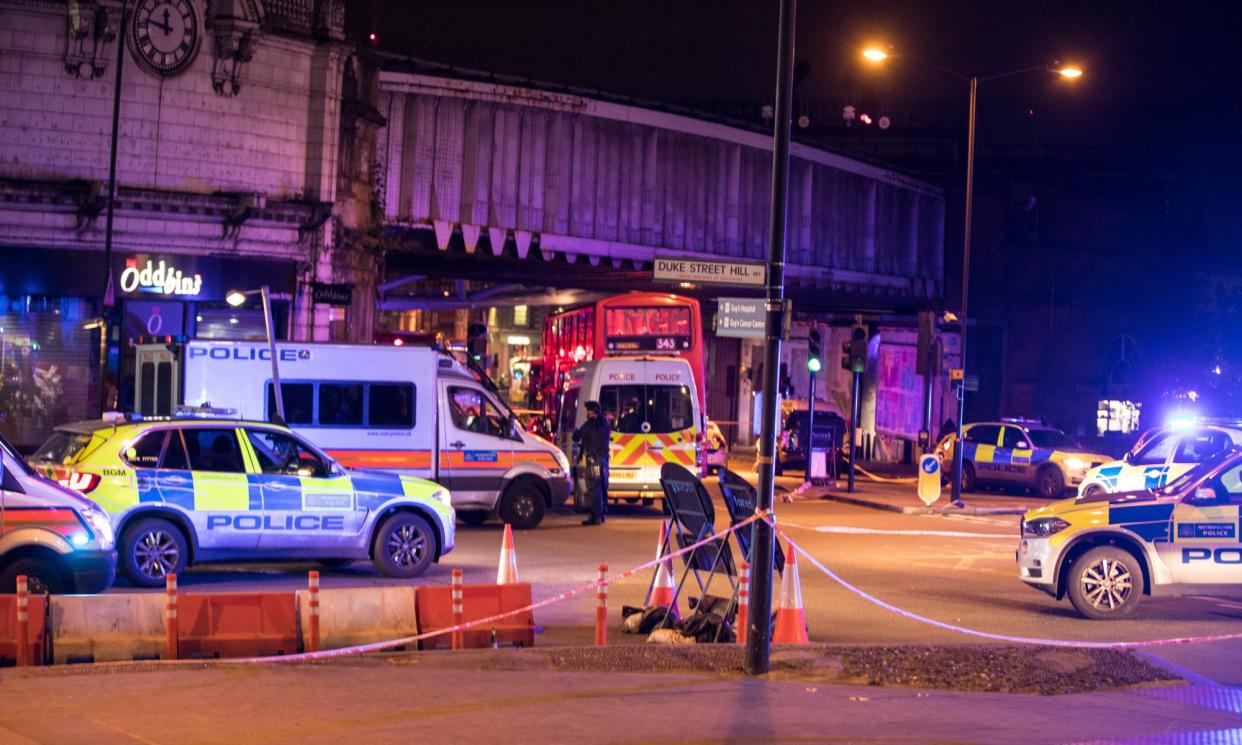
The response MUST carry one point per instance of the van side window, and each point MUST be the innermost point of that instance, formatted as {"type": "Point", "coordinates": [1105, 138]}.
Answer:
{"type": "Point", "coordinates": [299, 400]}
{"type": "Point", "coordinates": [471, 412]}
{"type": "Point", "coordinates": [391, 405]}
{"type": "Point", "coordinates": [340, 403]}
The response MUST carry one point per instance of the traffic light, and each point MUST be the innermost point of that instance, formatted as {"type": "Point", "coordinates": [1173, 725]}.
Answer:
{"type": "Point", "coordinates": [813, 362]}
{"type": "Point", "coordinates": [476, 342]}
{"type": "Point", "coordinates": [854, 357]}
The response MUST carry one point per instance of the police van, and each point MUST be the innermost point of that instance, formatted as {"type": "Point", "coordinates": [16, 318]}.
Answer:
{"type": "Point", "coordinates": [60, 541]}
{"type": "Point", "coordinates": [1107, 551]}
{"type": "Point", "coordinates": [412, 410]}
{"type": "Point", "coordinates": [654, 407]}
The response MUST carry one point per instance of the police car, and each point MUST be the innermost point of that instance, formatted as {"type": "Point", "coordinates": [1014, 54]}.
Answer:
{"type": "Point", "coordinates": [1021, 453]}
{"type": "Point", "coordinates": [1108, 550]}
{"type": "Point", "coordinates": [1159, 457]}
{"type": "Point", "coordinates": [190, 491]}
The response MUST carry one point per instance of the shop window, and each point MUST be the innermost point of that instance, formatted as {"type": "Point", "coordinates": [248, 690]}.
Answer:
{"type": "Point", "coordinates": [49, 365]}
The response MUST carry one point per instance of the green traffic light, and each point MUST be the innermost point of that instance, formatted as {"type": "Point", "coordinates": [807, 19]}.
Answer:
{"type": "Point", "coordinates": [813, 364]}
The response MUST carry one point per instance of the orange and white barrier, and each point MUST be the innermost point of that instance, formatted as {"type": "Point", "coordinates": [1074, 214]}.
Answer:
{"type": "Point", "coordinates": [743, 600]}
{"type": "Point", "coordinates": [312, 641]}
{"type": "Point", "coordinates": [663, 590]}
{"type": "Point", "coordinates": [23, 621]}
{"type": "Point", "coordinates": [170, 617]}
{"type": "Point", "coordinates": [459, 612]}
{"type": "Point", "coordinates": [507, 573]}
{"type": "Point", "coordinates": [790, 617]}
{"type": "Point", "coordinates": [601, 607]}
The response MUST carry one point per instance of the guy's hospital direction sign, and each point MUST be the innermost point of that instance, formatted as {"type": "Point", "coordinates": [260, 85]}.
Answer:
{"type": "Point", "coordinates": [708, 272]}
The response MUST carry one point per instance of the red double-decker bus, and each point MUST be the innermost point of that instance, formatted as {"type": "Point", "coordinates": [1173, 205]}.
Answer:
{"type": "Point", "coordinates": [635, 323]}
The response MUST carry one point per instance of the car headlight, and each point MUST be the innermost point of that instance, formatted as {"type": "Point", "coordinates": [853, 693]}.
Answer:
{"type": "Point", "coordinates": [1043, 527]}
{"type": "Point", "coordinates": [561, 460]}
{"type": "Point", "coordinates": [101, 526]}
{"type": "Point", "coordinates": [1076, 464]}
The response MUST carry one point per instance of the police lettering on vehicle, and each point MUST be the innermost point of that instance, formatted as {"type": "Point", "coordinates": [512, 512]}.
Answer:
{"type": "Point", "coordinates": [1219, 556]}
{"type": "Point", "coordinates": [272, 522]}
{"type": "Point", "coordinates": [248, 354]}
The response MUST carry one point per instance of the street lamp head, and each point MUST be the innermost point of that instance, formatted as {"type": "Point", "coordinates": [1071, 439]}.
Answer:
{"type": "Point", "coordinates": [875, 54]}
{"type": "Point", "coordinates": [1069, 71]}
{"type": "Point", "coordinates": [235, 298]}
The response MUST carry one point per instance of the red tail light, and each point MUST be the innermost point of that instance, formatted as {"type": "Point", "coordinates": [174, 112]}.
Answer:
{"type": "Point", "coordinates": [83, 483]}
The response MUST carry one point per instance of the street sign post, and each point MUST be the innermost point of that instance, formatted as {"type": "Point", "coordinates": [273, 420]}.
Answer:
{"type": "Point", "coordinates": [740, 318]}
{"type": "Point", "coordinates": [708, 271]}
{"type": "Point", "coordinates": [929, 479]}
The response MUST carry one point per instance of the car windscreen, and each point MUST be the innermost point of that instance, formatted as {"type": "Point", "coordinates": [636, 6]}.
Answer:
{"type": "Point", "coordinates": [61, 446]}
{"type": "Point", "coordinates": [1194, 474]}
{"type": "Point", "coordinates": [1049, 438]}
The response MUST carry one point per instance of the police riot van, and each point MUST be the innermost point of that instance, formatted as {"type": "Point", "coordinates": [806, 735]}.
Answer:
{"type": "Point", "coordinates": [654, 408]}
{"type": "Point", "coordinates": [413, 410]}
{"type": "Point", "coordinates": [60, 541]}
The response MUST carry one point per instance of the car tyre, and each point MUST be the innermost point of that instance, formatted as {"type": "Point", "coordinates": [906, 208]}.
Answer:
{"type": "Point", "coordinates": [968, 477]}
{"type": "Point", "coordinates": [43, 577]}
{"type": "Point", "coordinates": [1105, 583]}
{"type": "Point", "coordinates": [473, 518]}
{"type": "Point", "coordinates": [522, 505]}
{"type": "Point", "coordinates": [150, 550]}
{"type": "Point", "coordinates": [404, 546]}
{"type": "Point", "coordinates": [1049, 482]}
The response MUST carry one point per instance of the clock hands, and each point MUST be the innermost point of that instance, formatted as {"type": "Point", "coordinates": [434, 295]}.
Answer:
{"type": "Point", "coordinates": [166, 27]}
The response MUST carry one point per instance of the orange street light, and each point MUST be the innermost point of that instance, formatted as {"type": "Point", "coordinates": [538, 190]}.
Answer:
{"type": "Point", "coordinates": [1069, 71]}
{"type": "Point", "coordinates": [875, 55]}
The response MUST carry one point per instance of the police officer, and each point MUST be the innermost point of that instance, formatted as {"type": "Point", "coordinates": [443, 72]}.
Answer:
{"type": "Point", "coordinates": [592, 439]}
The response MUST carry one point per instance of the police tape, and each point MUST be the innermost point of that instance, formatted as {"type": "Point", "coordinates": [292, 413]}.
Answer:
{"type": "Point", "coordinates": [849, 530]}
{"type": "Point", "coordinates": [885, 479]}
{"type": "Point", "coordinates": [404, 641]}
{"type": "Point", "coordinates": [988, 634]}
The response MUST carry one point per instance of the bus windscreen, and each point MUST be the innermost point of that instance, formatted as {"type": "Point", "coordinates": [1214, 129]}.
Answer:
{"type": "Point", "coordinates": [647, 329]}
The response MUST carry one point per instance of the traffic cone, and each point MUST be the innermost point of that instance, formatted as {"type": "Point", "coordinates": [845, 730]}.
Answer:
{"type": "Point", "coordinates": [663, 590]}
{"type": "Point", "coordinates": [790, 618]}
{"type": "Point", "coordinates": [506, 573]}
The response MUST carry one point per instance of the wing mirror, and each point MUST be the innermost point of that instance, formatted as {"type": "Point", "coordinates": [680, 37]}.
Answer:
{"type": "Point", "coordinates": [1129, 456]}
{"type": "Point", "coordinates": [1204, 495]}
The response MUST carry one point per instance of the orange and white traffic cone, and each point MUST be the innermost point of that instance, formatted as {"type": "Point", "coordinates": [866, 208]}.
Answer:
{"type": "Point", "coordinates": [663, 590]}
{"type": "Point", "coordinates": [790, 618]}
{"type": "Point", "coordinates": [506, 573]}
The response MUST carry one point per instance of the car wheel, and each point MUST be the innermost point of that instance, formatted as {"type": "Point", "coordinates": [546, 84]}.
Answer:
{"type": "Point", "coordinates": [1105, 583]}
{"type": "Point", "coordinates": [968, 477]}
{"type": "Point", "coordinates": [473, 518]}
{"type": "Point", "coordinates": [1049, 482]}
{"type": "Point", "coordinates": [43, 577]}
{"type": "Point", "coordinates": [152, 549]}
{"type": "Point", "coordinates": [1092, 490]}
{"type": "Point", "coordinates": [405, 545]}
{"type": "Point", "coordinates": [648, 501]}
{"type": "Point", "coordinates": [522, 505]}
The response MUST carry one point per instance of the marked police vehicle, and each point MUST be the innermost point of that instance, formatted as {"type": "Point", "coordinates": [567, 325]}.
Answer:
{"type": "Point", "coordinates": [1019, 453]}
{"type": "Point", "coordinates": [1108, 550]}
{"type": "Point", "coordinates": [412, 410]}
{"type": "Point", "coordinates": [1159, 457]}
{"type": "Point", "coordinates": [60, 541]}
{"type": "Point", "coordinates": [183, 491]}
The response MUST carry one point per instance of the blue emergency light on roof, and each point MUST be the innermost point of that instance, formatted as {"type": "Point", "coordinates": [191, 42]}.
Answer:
{"type": "Point", "coordinates": [206, 411]}
{"type": "Point", "coordinates": [1181, 420]}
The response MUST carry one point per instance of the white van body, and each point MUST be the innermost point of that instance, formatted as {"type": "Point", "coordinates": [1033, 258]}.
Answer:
{"type": "Point", "coordinates": [412, 410]}
{"type": "Point", "coordinates": [656, 418]}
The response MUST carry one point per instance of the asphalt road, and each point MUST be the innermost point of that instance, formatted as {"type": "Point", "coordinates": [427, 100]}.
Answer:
{"type": "Point", "coordinates": [967, 580]}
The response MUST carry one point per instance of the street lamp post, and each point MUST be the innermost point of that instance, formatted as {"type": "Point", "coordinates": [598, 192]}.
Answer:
{"type": "Point", "coordinates": [236, 298]}
{"type": "Point", "coordinates": [1065, 71]}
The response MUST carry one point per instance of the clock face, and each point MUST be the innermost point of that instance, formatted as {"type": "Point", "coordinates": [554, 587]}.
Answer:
{"type": "Point", "coordinates": [164, 34]}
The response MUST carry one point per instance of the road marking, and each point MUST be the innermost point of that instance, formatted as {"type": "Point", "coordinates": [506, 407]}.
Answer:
{"type": "Point", "coordinates": [966, 562]}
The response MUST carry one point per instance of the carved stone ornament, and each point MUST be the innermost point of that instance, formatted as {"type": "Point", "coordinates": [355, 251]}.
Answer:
{"type": "Point", "coordinates": [234, 26]}
{"type": "Point", "coordinates": [89, 30]}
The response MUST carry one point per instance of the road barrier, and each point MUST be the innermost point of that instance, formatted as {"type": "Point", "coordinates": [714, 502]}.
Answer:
{"type": "Point", "coordinates": [601, 607]}
{"type": "Point", "coordinates": [743, 600]}
{"type": "Point", "coordinates": [357, 615]}
{"type": "Point", "coordinates": [474, 616]}
{"type": "Point", "coordinates": [237, 624]}
{"type": "Point", "coordinates": [312, 607]}
{"type": "Point", "coordinates": [108, 628]}
{"type": "Point", "coordinates": [23, 624]}
{"type": "Point", "coordinates": [170, 617]}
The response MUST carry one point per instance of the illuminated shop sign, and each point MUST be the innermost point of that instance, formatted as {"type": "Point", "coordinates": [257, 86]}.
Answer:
{"type": "Point", "coordinates": [159, 276]}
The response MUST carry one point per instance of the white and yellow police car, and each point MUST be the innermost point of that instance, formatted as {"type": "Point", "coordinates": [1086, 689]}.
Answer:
{"type": "Point", "coordinates": [1108, 550]}
{"type": "Point", "coordinates": [191, 491]}
{"type": "Point", "coordinates": [1159, 457]}
{"type": "Point", "coordinates": [1021, 453]}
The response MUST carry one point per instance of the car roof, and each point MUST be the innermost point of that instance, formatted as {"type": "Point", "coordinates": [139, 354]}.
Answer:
{"type": "Point", "coordinates": [92, 426]}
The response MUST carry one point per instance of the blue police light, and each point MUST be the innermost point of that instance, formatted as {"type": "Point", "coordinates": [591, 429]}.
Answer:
{"type": "Point", "coordinates": [1181, 420]}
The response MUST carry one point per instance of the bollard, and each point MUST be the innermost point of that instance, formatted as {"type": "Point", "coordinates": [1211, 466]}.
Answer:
{"type": "Point", "coordinates": [170, 617]}
{"type": "Point", "coordinates": [459, 612]}
{"type": "Point", "coordinates": [743, 601]}
{"type": "Point", "coordinates": [601, 608]}
{"type": "Point", "coordinates": [23, 621]}
{"type": "Point", "coordinates": [312, 643]}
